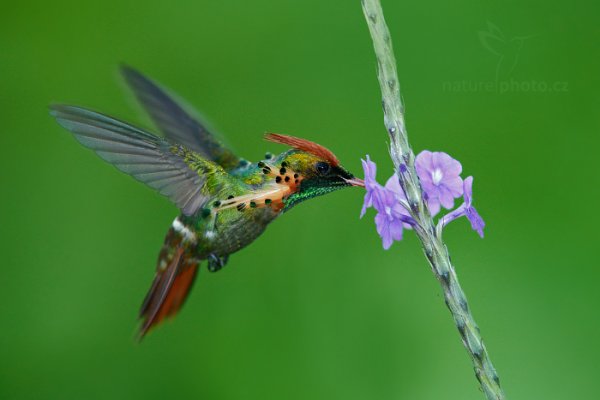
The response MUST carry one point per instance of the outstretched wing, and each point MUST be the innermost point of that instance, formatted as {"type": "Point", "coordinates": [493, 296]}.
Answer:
{"type": "Point", "coordinates": [175, 122]}
{"type": "Point", "coordinates": [148, 158]}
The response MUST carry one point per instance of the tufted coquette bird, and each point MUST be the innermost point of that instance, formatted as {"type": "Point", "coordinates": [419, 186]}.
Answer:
{"type": "Point", "coordinates": [226, 202]}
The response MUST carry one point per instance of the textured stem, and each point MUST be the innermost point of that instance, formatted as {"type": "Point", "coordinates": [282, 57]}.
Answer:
{"type": "Point", "coordinates": [433, 246]}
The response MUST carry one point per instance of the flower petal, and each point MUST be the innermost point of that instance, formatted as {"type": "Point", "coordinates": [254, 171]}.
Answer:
{"type": "Point", "coordinates": [371, 185]}
{"type": "Point", "coordinates": [424, 164]}
{"type": "Point", "coordinates": [475, 219]}
{"type": "Point", "coordinates": [446, 198]}
{"type": "Point", "coordinates": [424, 159]}
{"type": "Point", "coordinates": [454, 185]}
{"type": "Point", "coordinates": [468, 190]}
{"type": "Point", "coordinates": [395, 228]}
{"type": "Point", "coordinates": [447, 164]}
{"type": "Point", "coordinates": [370, 170]}
{"type": "Point", "coordinates": [434, 206]}
{"type": "Point", "coordinates": [383, 229]}
{"type": "Point", "coordinates": [393, 184]}
{"type": "Point", "coordinates": [382, 199]}
{"type": "Point", "coordinates": [368, 202]}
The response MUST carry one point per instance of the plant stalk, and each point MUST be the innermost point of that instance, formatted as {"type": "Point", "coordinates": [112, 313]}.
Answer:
{"type": "Point", "coordinates": [433, 245]}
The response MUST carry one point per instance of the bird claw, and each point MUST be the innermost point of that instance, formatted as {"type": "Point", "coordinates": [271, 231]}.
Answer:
{"type": "Point", "coordinates": [215, 262]}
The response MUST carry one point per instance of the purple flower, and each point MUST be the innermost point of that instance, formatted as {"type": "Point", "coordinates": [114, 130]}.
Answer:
{"type": "Point", "coordinates": [371, 185]}
{"type": "Point", "coordinates": [388, 221]}
{"type": "Point", "coordinates": [391, 216]}
{"type": "Point", "coordinates": [466, 209]}
{"type": "Point", "coordinates": [473, 216]}
{"type": "Point", "coordinates": [393, 185]}
{"type": "Point", "coordinates": [440, 178]}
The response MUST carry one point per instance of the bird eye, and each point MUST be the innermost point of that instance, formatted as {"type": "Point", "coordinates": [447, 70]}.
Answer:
{"type": "Point", "coordinates": [322, 167]}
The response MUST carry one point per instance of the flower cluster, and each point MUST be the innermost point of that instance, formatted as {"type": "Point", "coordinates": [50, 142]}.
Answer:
{"type": "Point", "coordinates": [440, 179]}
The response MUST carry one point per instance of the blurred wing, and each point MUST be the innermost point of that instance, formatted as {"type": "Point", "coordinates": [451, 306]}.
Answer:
{"type": "Point", "coordinates": [146, 157]}
{"type": "Point", "coordinates": [175, 122]}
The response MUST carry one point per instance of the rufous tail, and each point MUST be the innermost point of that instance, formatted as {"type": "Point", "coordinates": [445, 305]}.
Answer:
{"type": "Point", "coordinates": [175, 275]}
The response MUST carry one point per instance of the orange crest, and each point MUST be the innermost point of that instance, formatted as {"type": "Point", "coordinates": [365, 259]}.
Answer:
{"type": "Point", "coordinates": [304, 145]}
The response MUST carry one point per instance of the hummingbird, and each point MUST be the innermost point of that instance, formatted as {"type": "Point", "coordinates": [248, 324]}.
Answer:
{"type": "Point", "coordinates": [225, 201]}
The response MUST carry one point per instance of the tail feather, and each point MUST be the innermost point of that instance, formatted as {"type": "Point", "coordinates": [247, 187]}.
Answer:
{"type": "Point", "coordinates": [175, 275]}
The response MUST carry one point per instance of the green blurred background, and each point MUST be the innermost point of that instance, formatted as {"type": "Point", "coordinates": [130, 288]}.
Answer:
{"type": "Point", "coordinates": [342, 318]}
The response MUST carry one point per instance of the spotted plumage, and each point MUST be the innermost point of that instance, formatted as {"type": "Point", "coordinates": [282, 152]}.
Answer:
{"type": "Point", "coordinates": [226, 202]}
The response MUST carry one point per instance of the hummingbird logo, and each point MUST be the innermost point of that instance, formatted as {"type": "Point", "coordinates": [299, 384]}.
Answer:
{"type": "Point", "coordinates": [507, 50]}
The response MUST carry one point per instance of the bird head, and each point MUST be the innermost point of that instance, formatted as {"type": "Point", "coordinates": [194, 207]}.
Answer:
{"type": "Point", "coordinates": [311, 168]}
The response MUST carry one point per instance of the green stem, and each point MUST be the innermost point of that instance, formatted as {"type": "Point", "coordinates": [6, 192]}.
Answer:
{"type": "Point", "coordinates": [433, 245]}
